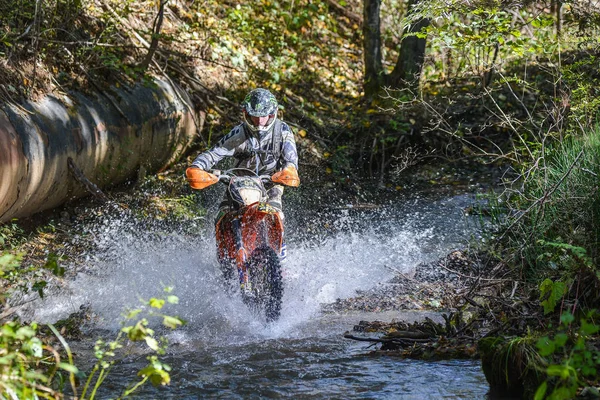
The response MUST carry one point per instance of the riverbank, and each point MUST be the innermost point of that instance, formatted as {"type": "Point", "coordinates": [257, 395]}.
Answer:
{"type": "Point", "coordinates": [482, 302]}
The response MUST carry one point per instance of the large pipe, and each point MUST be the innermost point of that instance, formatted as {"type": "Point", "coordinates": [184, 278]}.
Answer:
{"type": "Point", "coordinates": [109, 136]}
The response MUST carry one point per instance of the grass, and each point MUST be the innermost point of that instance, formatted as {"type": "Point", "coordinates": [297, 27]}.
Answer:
{"type": "Point", "coordinates": [555, 217]}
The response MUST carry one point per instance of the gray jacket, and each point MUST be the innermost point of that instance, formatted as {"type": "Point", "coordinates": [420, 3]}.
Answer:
{"type": "Point", "coordinates": [250, 152]}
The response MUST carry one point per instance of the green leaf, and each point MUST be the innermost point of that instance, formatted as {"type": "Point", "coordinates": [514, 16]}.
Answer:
{"type": "Point", "coordinates": [173, 299]}
{"type": "Point", "coordinates": [160, 377]}
{"type": "Point", "coordinates": [550, 293]}
{"type": "Point", "coordinates": [172, 322]}
{"type": "Point", "coordinates": [589, 329]}
{"type": "Point", "coordinates": [156, 303]}
{"type": "Point", "coordinates": [8, 330]}
{"type": "Point", "coordinates": [133, 313]}
{"type": "Point", "coordinates": [567, 318]}
{"type": "Point", "coordinates": [8, 262]}
{"type": "Point", "coordinates": [541, 391]}
{"type": "Point", "coordinates": [68, 367]}
{"type": "Point", "coordinates": [560, 339]}
{"type": "Point", "coordinates": [24, 332]}
{"type": "Point", "coordinates": [39, 287]}
{"type": "Point", "coordinates": [156, 373]}
{"type": "Point", "coordinates": [147, 371]}
{"type": "Point", "coordinates": [545, 346]}
{"type": "Point", "coordinates": [53, 265]}
{"type": "Point", "coordinates": [137, 332]}
{"type": "Point", "coordinates": [152, 343]}
{"type": "Point", "coordinates": [34, 347]}
{"type": "Point", "coordinates": [558, 370]}
{"type": "Point", "coordinates": [564, 393]}
{"type": "Point", "coordinates": [7, 360]}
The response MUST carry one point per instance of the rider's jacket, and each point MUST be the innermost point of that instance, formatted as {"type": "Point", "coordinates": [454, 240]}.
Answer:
{"type": "Point", "coordinates": [274, 151]}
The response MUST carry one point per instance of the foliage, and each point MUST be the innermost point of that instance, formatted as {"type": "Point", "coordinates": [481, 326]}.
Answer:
{"type": "Point", "coordinates": [135, 329]}
{"type": "Point", "coordinates": [559, 207]}
{"type": "Point", "coordinates": [510, 364]}
{"type": "Point", "coordinates": [32, 368]}
{"type": "Point", "coordinates": [551, 293]}
{"type": "Point", "coordinates": [28, 366]}
{"type": "Point", "coordinates": [582, 76]}
{"type": "Point", "coordinates": [13, 275]}
{"type": "Point", "coordinates": [571, 356]}
{"type": "Point", "coordinates": [10, 234]}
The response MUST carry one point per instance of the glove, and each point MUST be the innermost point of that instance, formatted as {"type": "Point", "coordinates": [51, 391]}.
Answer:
{"type": "Point", "coordinates": [199, 179]}
{"type": "Point", "coordinates": [287, 176]}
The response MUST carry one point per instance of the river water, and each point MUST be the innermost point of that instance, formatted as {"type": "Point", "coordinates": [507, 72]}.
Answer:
{"type": "Point", "coordinates": [225, 352]}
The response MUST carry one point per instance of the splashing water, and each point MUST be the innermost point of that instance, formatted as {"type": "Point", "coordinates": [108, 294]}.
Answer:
{"type": "Point", "coordinates": [354, 250]}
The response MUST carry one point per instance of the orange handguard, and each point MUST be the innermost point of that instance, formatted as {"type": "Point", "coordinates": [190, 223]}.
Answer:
{"type": "Point", "coordinates": [200, 179]}
{"type": "Point", "coordinates": [287, 176]}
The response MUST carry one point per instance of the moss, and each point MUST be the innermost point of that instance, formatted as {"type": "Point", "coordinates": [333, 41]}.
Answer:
{"type": "Point", "coordinates": [511, 366]}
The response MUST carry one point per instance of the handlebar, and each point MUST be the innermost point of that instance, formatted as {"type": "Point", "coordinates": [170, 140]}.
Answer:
{"type": "Point", "coordinates": [225, 176]}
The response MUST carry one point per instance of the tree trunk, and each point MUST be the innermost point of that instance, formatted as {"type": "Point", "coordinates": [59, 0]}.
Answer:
{"type": "Point", "coordinates": [155, 35]}
{"type": "Point", "coordinates": [372, 48]}
{"type": "Point", "coordinates": [407, 71]}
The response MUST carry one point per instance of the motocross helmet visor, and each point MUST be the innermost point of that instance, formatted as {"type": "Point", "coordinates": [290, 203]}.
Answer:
{"type": "Point", "coordinates": [259, 122]}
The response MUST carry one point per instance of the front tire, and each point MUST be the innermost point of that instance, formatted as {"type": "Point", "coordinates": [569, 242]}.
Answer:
{"type": "Point", "coordinates": [264, 270]}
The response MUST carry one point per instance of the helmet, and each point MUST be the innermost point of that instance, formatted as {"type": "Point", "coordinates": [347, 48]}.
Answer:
{"type": "Point", "coordinates": [260, 111]}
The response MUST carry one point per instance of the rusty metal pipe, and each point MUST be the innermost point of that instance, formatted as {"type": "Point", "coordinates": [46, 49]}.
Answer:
{"type": "Point", "coordinates": [108, 135]}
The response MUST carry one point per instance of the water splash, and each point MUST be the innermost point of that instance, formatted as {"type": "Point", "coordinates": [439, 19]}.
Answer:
{"type": "Point", "coordinates": [349, 250]}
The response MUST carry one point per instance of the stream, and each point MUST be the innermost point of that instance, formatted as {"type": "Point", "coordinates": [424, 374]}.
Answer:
{"type": "Point", "coordinates": [225, 352]}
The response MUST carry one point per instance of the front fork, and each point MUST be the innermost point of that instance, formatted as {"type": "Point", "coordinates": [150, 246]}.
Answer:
{"type": "Point", "coordinates": [241, 255]}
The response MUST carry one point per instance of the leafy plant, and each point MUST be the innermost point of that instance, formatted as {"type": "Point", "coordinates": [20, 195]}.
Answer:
{"type": "Point", "coordinates": [551, 293]}
{"type": "Point", "coordinates": [577, 360]}
{"type": "Point", "coordinates": [10, 234]}
{"type": "Point", "coordinates": [135, 329]}
{"type": "Point", "coordinates": [27, 365]}
{"type": "Point", "coordinates": [31, 368]}
{"type": "Point", "coordinates": [555, 214]}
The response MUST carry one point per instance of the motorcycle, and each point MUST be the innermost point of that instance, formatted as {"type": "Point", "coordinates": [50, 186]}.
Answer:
{"type": "Point", "coordinates": [250, 237]}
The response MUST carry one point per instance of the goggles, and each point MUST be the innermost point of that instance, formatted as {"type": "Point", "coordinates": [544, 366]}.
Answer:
{"type": "Point", "coordinates": [259, 122]}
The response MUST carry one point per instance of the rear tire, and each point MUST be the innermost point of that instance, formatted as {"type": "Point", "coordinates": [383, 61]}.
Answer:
{"type": "Point", "coordinates": [264, 271]}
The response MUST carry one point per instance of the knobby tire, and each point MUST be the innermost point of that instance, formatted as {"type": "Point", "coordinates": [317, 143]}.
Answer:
{"type": "Point", "coordinates": [265, 275]}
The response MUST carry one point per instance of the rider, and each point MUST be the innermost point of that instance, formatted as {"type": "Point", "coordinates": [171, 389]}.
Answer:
{"type": "Point", "coordinates": [262, 143]}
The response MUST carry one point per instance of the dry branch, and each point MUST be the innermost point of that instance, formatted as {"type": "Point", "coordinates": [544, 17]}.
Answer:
{"type": "Point", "coordinates": [345, 12]}
{"type": "Point", "coordinates": [89, 185]}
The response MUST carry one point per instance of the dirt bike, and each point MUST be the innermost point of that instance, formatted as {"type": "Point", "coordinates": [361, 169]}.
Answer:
{"type": "Point", "coordinates": [250, 237]}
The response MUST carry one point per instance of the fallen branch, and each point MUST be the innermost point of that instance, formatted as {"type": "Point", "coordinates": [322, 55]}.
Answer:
{"type": "Point", "coordinates": [155, 35]}
{"type": "Point", "coordinates": [345, 12]}
{"type": "Point", "coordinates": [89, 185]}
{"type": "Point", "coordinates": [384, 340]}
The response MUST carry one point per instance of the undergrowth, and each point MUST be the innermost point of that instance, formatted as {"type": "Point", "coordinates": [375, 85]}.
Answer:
{"type": "Point", "coordinates": [556, 215]}
{"type": "Point", "coordinates": [33, 365]}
